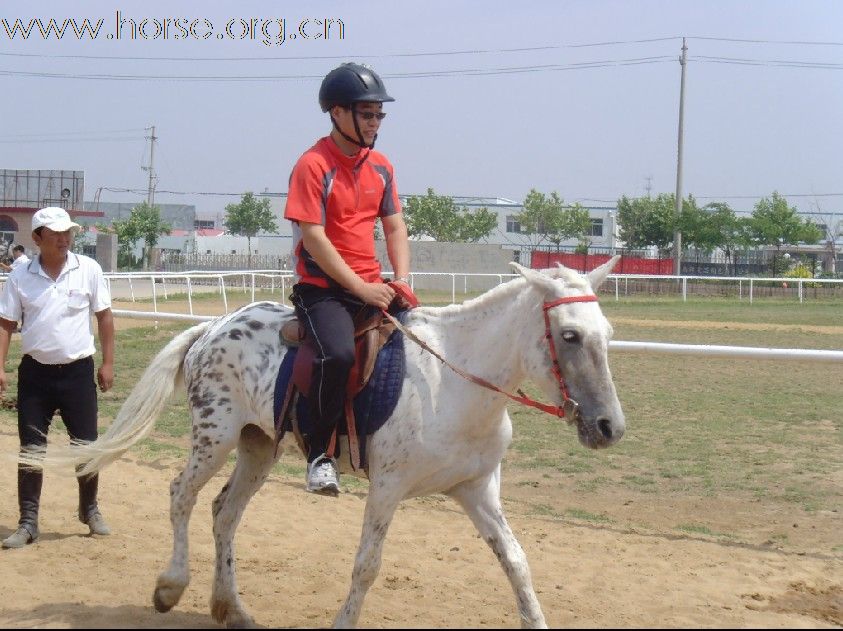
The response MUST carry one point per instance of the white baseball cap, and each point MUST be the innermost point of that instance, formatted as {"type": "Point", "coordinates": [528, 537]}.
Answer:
{"type": "Point", "coordinates": [54, 218]}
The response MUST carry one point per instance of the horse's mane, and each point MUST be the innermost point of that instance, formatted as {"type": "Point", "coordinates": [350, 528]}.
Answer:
{"type": "Point", "coordinates": [571, 278]}
{"type": "Point", "coordinates": [510, 289]}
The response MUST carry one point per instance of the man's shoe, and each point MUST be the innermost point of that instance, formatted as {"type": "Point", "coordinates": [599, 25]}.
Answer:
{"type": "Point", "coordinates": [322, 476]}
{"type": "Point", "coordinates": [97, 524]}
{"type": "Point", "coordinates": [21, 537]}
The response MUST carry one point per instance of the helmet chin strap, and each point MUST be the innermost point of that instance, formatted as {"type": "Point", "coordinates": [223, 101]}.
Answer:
{"type": "Point", "coordinates": [359, 140]}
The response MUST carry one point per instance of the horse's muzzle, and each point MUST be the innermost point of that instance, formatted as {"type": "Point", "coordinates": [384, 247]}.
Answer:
{"type": "Point", "coordinates": [599, 432]}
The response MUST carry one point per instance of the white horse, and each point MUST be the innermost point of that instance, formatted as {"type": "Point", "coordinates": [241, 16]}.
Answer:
{"type": "Point", "coordinates": [445, 435]}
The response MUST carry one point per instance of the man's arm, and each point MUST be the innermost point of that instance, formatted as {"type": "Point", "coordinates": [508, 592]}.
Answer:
{"type": "Point", "coordinates": [105, 328]}
{"type": "Point", "coordinates": [397, 244]}
{"type": "Point", "coordinates": [318, 245]}
{"type": "Point", "coordinates": [7, 327]}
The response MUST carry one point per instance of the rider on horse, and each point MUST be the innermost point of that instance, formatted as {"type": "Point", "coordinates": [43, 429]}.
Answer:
{"type": "Point", "coordinates": [338, 189]}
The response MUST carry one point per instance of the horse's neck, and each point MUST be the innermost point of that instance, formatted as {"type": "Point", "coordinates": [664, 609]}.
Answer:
{"type": "Point", "coordinates": [486, 336]}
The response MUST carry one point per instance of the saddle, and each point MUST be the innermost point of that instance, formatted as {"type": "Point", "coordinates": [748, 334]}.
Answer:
{"type": "Point", "coordinates": [370, 335]}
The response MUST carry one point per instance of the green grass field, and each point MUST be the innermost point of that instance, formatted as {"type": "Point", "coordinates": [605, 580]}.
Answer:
{"type": "Point", "coordinates": [732, 449]}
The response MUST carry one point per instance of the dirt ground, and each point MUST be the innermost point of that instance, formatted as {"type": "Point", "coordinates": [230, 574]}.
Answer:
{"type": "Point", "coordinates": [295, 553]}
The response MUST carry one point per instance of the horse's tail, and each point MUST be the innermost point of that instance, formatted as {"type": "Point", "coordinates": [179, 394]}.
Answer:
{"type": "Point", "coordinates": [135, 419]}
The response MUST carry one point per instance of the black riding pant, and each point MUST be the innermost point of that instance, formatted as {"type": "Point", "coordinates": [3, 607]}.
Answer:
{"type": "Point", "coordinates": [43, 389]}
{"type": "Point", "coordinates": [328, 315]}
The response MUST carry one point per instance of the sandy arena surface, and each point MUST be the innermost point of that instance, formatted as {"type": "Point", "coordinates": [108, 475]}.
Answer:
{"type": "Point", "coordinates": [295, 553]}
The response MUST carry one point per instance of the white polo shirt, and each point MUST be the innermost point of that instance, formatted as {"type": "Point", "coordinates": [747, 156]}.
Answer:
{"type": "Point", "coordinates": [57, 327]}
{"type": "Point", "coordinates": [23, 259]}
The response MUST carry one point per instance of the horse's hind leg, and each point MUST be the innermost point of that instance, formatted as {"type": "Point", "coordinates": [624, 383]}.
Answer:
{"type": "Point", "coordinates": [206, 458]}
{"type": "Point", "coordinates": [255, 457]}
{"type": "Point", "coordinates": [481, 500]}
{"type": "Point", "coordinates": [380, 508]}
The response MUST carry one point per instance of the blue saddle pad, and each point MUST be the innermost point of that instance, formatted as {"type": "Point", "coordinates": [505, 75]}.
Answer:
{"type": "Point", "coordinates": [373, 405]}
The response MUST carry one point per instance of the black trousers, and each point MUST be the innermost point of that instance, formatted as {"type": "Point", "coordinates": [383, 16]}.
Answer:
{"type": "Point", "coordinates": [328, 315]}
{"type": "Point", "coordinates": [44, 389]}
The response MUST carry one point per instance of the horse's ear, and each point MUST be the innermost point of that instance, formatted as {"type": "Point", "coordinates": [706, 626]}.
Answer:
{"type": "Point", "coordinates": [599, 274]}
{"type": "Point", "coordinates": [535, 277]}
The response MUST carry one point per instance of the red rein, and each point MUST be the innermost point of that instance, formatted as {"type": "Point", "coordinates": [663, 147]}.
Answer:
{"type": "Point", "coordinates": [569, 406]}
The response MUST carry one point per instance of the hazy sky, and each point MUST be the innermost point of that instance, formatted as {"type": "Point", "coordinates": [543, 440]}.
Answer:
{"type": "Point", "coordinates": [492, 98]}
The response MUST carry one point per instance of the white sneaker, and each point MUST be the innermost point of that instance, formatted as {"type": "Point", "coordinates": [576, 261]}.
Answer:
{"type": "Point", "coordinates": [322, 476]}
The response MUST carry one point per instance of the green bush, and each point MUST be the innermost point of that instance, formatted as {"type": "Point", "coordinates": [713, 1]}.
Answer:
{"type": "Point", "coordinates": [801, 271]}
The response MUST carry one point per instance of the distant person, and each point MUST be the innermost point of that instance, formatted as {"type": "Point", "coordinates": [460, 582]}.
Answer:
{"type": "Point", "coordinates": [55, 296]}
{"type": "Point", "coordinates": [338, 189]}
{"type": "Point", "coordinates": [19, 257]}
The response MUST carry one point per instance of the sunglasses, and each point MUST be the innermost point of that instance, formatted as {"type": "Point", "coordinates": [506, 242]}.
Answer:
{"type": "Point", "coordinates": [367, 116]}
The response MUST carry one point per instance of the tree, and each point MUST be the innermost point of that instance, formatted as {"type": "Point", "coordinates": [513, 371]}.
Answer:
{"type": "Point", "coordinates": [547, 217]}
{"type": "Point", "coordinates": [150, 226]}
{"type": "Point", "coordinates": [144, 222]}
{"type": "Point", "coordinates": [438, 217]}
{"type": "Point", "coordinates": [830, 230]}
{"type": "Point", "coordinates": [127, 236]}
{"type": "Point", "coordinates": [646, 221]}
{"type": "Point", "coordinates": [574, 222]}
{"type": "Point", "coordinates": [541, 216]}
{"type": "Point", "coordinates": [248, 217]}
{"type": "Point", "coordinates": [697, 228]}
{"type": "Point", "coordinates": [775, 223]}
{"type": "Point", "coordinates": [79, 239]}
{"type": "Point", "coordinates": [727, 231]}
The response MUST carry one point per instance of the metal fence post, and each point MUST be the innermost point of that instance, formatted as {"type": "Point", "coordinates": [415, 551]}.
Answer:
{"type": "Point", "coordinates": [189, 296]}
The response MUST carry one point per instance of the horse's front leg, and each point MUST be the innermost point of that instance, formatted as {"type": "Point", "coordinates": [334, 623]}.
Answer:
{"type": "Point", "coordinates": [481, 500]}
{"type": "Point", "coordinates": [380, 508]}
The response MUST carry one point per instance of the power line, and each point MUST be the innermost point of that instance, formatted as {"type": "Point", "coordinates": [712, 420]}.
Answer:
{"type": "Point", "coordinates": [765, 41]}
{"type": "Point", "coordinates": [457, 72]}
{"type": "Point", "coordinates": [325, 57]}
{"type": "Point", "coordinates": [71, 133]}
{"type": "Point", "coordinates": [769, 62]}
{"type": "Point", "coordinates": [441, 53]}
{"type": "Point", "coordinates": [401, 75]}
{"type": "Point", "coordinates": [19, 141]}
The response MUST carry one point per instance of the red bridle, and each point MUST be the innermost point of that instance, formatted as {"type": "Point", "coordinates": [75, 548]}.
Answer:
{"type": "Point", "coordinates": [568, 408]}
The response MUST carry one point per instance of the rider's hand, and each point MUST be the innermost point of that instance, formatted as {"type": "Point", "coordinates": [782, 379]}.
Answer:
{"type": "Point", "coordinates": [406, 298]}
{"type": "Point", "coordinates": [377, 294]}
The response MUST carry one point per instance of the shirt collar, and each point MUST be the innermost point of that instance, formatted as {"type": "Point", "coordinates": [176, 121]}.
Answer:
{"type": "Point", "coordinates": [347, 161]}
{"type": "Point", "coordinates": [34, 266]}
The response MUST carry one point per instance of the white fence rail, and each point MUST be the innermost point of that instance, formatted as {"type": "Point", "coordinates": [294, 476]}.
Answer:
{"type": "Point", "coordinates": [249, 282]}
{"type": "Point", "coordinates": [145, 285]}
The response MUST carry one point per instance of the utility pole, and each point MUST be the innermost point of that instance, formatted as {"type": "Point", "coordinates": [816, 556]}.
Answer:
{"type": "Point", "coordinates": [649, 186]}
{"type": "Point", "coordinates": [677, 235]}
{"type": "Point", "coordinates": [150, 195]}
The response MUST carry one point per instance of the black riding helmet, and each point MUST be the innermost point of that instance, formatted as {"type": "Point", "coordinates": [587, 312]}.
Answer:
{"type": "Point", "coordinates": [348, 85]}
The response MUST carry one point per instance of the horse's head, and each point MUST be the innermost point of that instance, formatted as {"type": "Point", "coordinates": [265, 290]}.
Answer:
{"type": "Point", "coordinates": [580, 336]}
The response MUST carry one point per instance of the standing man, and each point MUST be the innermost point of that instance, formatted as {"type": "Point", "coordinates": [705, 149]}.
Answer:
{"type": "Point", "coordinates": [19, 257]}
{"type": "Point", "coordinates": [338, 189]}
{"type": "Point", "coordinates": [56, 293]}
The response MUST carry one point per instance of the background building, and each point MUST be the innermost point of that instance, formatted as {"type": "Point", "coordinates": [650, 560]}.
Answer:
{"type": "Point", "coordinates": [24, 191]}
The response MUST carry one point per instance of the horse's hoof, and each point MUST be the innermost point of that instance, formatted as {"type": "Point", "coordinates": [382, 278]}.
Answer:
{"type": "Point", "coordinates": [160, 605]}
{"type": "Point", "coordinates": [240, 623]}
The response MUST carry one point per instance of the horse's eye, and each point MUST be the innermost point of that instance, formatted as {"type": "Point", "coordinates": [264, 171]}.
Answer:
{"type": "Point", "coordinates": [570, 336]}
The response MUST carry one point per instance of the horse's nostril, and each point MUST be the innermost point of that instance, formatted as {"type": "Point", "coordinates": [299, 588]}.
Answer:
{"type": "Point", "coordinates": [605, 426]}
